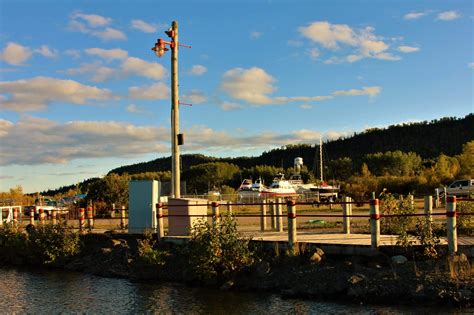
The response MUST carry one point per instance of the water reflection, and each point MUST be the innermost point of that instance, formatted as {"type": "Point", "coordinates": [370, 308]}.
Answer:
{"type": "Point", "coordinates": [27, 291]}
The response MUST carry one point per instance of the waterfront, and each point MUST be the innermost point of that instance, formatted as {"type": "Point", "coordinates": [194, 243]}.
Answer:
{"type": "Point", "coordinates": [28, 291]}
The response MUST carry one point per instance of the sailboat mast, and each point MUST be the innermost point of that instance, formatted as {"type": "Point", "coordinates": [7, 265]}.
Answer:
{"type": "Point", "coordinates": [321, 158]}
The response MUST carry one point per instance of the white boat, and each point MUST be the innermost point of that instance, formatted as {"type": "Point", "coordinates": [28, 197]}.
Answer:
{"type": "Point", "coordinates": [280, 188]}
{"type": "Point", "coordinates": [249, 189]}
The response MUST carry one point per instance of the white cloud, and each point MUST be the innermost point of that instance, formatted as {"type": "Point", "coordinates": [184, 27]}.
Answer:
{"type": "Point", "coordinates": [371, 91]}
{"type": "Point", "coordinates": [95, 25]}
{"type": "Point", "coordinates": [110, 34]}
{"type": "Point", "coordinates": [314, 53]}
{"type": "Point", "coordinates": [470, 65]}
{"type": "Point", "coordinates": [108, 54]}
{"type": "Point", "coordinates": [414, 15]}
{"type": "Point", "coordinates": [255, 35]}
{"type": "Point", "coordinates": [46, 51]}
{"type": "Point", "coordinates": [294, 43]}
{"type": "Point", "coordinates": [93, 20]}
{"type": "Point", "coordinates": [74, 53]}
{"type": "Point", "coordinates": [37, 93]}
{"type": "Point", "coordinates": [139, 67]}
{"type": "Point", "coordinates": [250, 85]}
{"type": "Point", "coordinates": [15, 54]}
{"type": "Point", "coordinates": [144, 26]}
{"type": "Point", "coordinates": [361, 43]}
{"type": "Point", "coordinates": [448, 15]}
{"type": "Point", "coordinates": [96, 71]}
{"type": "Point", "coordinates": [408, 49]}
{"type": "Point", "coordinates": [157, 91]}
{"type": "Point", "coordinates": [194, 97]}
{"type": "Point", "coordinates": [228, 106]}
{"type": "Point", "coordinates": [132, 108]}
{"type": "Point", "coordinates": [254, 86]}
{"type": "Point", "coordinates": [198, 70]}
{"type": "Point", "coordinates": [306, 106]}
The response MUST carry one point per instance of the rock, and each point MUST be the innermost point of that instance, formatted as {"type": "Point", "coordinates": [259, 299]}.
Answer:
{"type": "Point", "coordinates": [227, 286]}
{"type": "Point", "coordinates": [106, 250]}
{"type": "Point", "coordinates": [399, 260]}
{"type": "Point", "coordinates": [262, 269]}
{"type": "Point", "coordinates": [319, 251]}
{"type": "Point", "coordinates": [315, 258]}
{"type": "Point", "coordinates": [119, 242]}
{"type": "Point", "coordinates": [354, 279]}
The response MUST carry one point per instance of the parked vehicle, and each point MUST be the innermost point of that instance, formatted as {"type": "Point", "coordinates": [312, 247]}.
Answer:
{"type": "Point", "coordinates": [461, 188]}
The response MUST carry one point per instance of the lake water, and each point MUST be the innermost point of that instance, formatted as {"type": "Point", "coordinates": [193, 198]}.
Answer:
{"type": "Point", "coordinates": [48, 292]}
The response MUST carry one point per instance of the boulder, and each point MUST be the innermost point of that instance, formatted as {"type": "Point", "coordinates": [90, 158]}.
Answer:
{"type": "Point", "coordinates": [354, 279]}
{"type": "Point", "coordinates": [315, 258]}
{"type": "Point", "coordinates": [399, 260]}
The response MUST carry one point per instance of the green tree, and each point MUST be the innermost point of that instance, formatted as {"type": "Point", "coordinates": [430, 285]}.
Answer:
{"type": "Point", "coordinates": [466, 161]}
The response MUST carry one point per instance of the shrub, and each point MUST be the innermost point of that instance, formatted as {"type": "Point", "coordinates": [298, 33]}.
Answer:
{"type": "Point", "coordinates": [465, 219]}
{"type": "Point", "coordinates": [217, 250]}
{"type": "Point", "coordinates": [147, 252]}
{"type": "Point", "coordinates": [13, 243]}
{"type": "Point", "coordinates": [53, 244]}
{"type": "Point", "coordinates": [397, 225]}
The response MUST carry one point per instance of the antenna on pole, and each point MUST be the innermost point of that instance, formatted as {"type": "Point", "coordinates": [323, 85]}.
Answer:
{"type": "Point", "coordinates": [321, 157]}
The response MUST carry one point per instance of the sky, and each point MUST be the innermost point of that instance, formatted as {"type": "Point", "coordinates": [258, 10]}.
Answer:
{"type": "Point", "coordinates": [81, 92]}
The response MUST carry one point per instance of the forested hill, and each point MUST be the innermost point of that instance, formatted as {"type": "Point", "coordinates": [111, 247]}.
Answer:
{"type": "Point", "coordinates": [427, 139]}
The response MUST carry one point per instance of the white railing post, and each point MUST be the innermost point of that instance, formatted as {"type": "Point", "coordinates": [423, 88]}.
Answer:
{"type": "Point", "coordinates": [292, 235]}
{"type": "Point", "coordinates": [272, 213]}
{"type": "Point", "coordinates": [122, 218]}
{"type": "Point", "coordinates": [451, 224]}
{"type": "Point", "coordinates": [279, 213]}
{"type": "Point", "coordinates": [428, 211]}
{"type": "Point", "coordinates": [346, 220]}
{"type": "Point", "coordinates": [374, 223]}
{"type": "Point", "coordinates": [263, 214]}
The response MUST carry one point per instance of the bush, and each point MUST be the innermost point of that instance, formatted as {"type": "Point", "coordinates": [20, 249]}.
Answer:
{"type": "Point", "coordinates": [217, 251]}
{"type": "Point", "coordinates": [397, 225]}
{"type": "Point", "coordinates": [147, 252]}
{"type": "Point", "coordinates": [13, 243]}
{"type": "Point", "coordinates": [465, 220]}
{"type": "Point", "coordinates": [53, 244]}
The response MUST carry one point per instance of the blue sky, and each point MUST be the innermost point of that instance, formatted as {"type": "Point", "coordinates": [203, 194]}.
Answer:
{"type": "Point", "coordinates": [81, 92]}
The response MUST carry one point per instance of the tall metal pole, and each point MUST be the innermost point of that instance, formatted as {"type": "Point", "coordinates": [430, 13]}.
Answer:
{"type": "Point", "coordinates": [321, 157]}
{"type": "Point", "coordinates": [175, 167]}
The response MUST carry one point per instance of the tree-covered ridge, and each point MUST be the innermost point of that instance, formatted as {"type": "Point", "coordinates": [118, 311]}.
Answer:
{"type": "Point", "coordinates": [426, 139]}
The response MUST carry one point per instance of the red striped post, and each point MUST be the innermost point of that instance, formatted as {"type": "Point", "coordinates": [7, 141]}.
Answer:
{"type": "Point", "coordinates": [263, 213]}
{"type": "Point", "coordinates": [374, 223]}
{"type": "Point", "coordinates": [215, 212]}
{"type": "Point", "coordinates": [161, 226]}
{"type": "Point", "coordinates": [451, 224]}
{"type": "Point", "coordinates": [90, 217]}
{"type": "Point", "coordinates": [82, 223]}
{"type": "Point", "coordinates": [292, 236]}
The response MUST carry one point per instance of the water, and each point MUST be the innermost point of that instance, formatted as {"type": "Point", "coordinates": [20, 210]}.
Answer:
{"type": "Point", "coordinates": [52, 292]}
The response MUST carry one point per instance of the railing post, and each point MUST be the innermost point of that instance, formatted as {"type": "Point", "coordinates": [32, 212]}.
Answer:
{"type": "Point", "coordinates": [374, 223]}
{"type": "Point", "coordinates": [436, 205]}
{"type": "Point", "coordinates": [346, 220]}
{"type": "Point", "coordinates": [15, 215]}
{"type": "Point", "coordinates": [41, 215]}
{"type": "Point", "coordinates": [445, 196]}
{"type": "Point", "coordinates": [428, 211]}
{"type": "Point", "coordinates": [54, 216]}
{"type": "Point", "coordinates": [272, 213]}
{"type": "Point", "coordinates": [90, 218]}
{"type": "Point", "coordinates": [32, 216]}
{"type": "Point", "coordinates": [263, 214]}
{"type": "Point", "coordinates": [451, 224]}
{"type": "Point", "coordinates": [279, 213]}
{"type": "Point", "coordinates": [412, 201]}
{"type": "Point", "coordinates": [82, 223]}
{"type": "Point", "coordinates": [215, 212]}
{"type": "Point", "coordinates": [229, 207]}
{"type": "Point", "coordinates": [292, 235]}
{"type": "Point", "coordinates": [161, 226]}
{"type": "Point", "coordinates": [122, 218]}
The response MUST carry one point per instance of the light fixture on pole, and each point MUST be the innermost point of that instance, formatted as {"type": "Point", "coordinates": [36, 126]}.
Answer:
{"type": "Point", "coordinates": [160, 49]}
